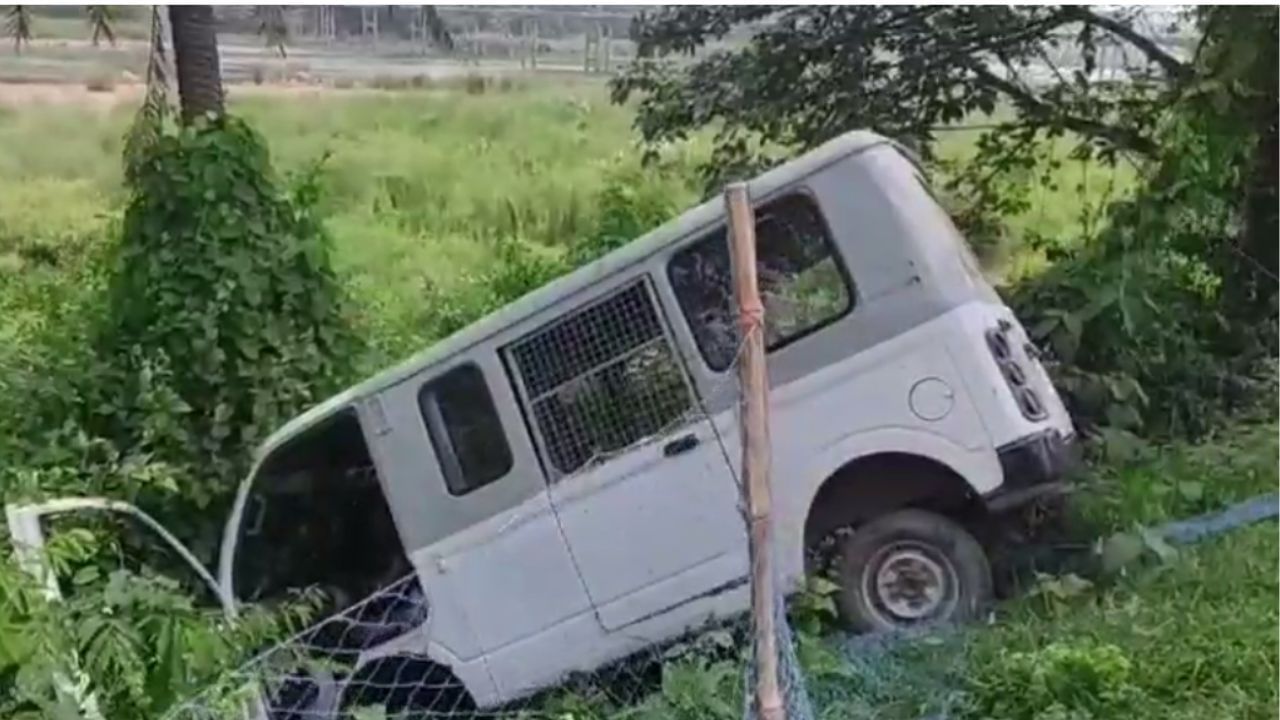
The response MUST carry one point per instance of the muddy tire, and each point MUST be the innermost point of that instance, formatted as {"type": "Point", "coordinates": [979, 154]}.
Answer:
{"type": "Point", "coordinates": [910, 569]}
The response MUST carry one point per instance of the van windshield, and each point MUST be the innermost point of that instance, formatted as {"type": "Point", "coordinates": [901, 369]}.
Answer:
{"type": "Point", "coordinates": [316, 518]}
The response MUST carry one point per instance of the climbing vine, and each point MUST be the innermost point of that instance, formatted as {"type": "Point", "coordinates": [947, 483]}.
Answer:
{"type": "Point", "coordinates": [223, 316]}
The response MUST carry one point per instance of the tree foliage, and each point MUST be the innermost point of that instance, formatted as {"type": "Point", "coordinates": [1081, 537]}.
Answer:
{"type": "Point", "coordinates": [1166, 319]}
{"type": "Point", "coordinates": [807, 73]}
{"type": "Point", "coordinates": [1153, 319]}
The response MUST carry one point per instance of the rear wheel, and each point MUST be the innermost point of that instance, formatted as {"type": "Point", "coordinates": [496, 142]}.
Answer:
{"type": "Point", "coordinates": [909, 569]}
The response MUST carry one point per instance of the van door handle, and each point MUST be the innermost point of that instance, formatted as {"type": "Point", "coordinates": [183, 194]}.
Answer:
{"type": "Point", "coordinates": [680, 445]}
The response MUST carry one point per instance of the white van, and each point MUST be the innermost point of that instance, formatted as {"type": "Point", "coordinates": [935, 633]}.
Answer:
{"type": "Point", "coordinates": [559, 478]}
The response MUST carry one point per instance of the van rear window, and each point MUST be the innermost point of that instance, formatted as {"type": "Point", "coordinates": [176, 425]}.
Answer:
{"type": "Point", "coordinates": [802, 283]}
{"type": "Point", "coordinates": [465, 429]}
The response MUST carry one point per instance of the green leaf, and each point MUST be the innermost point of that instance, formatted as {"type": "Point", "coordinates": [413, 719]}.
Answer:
{"type": "Point", "coordinates": [1123, 416]}
{"type": "Point", "coordinates": [86, 575]}
{"type": "Point", "coordinates": [1119, 551]}
{"type": "Point", "coordinates": [1191, 490]}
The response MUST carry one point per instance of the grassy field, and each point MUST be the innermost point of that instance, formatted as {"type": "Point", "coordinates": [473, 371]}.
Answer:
{"type": "Point", "coordinates": [418, 186]}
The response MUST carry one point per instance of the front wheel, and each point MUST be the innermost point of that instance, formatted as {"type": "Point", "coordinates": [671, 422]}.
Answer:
{"type": "Point", "coordinates": [909, 569]}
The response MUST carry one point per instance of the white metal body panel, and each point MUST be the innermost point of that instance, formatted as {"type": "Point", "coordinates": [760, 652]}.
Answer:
{"type": "Point", "coordinates": [643, 519]}
{"type": "Point", "coordinates": [511, 574]}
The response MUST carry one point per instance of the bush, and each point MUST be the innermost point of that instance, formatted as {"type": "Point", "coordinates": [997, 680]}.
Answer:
{"type": "Point", "coordinates": [633, 201]}
{"type": "Point", "coordinates": [391, 82]}
{"type": "Point", "coordinates": [1067, 680]}
{"type": "Point", "coordinates": [137, 644]}
{"type": "Point", "coordinates": [223, 317]}
{"type": "Point", "coordinates": [1137, 329]}
{"type": "Point", "coordinates": [475, 84]}
{"type": "Point", "coordinates": [100, 83]}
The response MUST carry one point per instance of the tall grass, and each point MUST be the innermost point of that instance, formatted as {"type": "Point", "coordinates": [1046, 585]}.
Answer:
{"type": "Point", "coordinates": [419, 186]}
{"type": "Point", "coordinates": [423, 187]}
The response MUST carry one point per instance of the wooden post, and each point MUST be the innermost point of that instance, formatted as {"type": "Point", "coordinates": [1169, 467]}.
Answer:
{"type": "Point", "coordinates": [756, 454]}
{"type": "Point", "coordinates": [606, 39]}
{"type": "Point", "coordinates": [369, 23]}
{"type": "Point", "coordinates": [523, 44]}
{"type": "Point", "coordinates": [533, 47]}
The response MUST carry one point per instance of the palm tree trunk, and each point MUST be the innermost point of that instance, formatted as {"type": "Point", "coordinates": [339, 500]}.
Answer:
{"type": "Point", "coordinates": [195, 53]}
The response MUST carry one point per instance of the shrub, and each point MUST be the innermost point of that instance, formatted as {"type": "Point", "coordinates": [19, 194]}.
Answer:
{"type": "Point", "coordinates": [506, 83]}
{"type": "Point", "coordinates": [390, 82]}
{"type": "Point", "coordinates": [223, 315]}
{"type": "Point", "coordinates": [1079, 680]}
{"type": "Point", "coordinates": [1137, 323]}
{"type": "Point", "coordinates": [475, 84]}
{"type": "Point", "coordinates": [136, 643]}
{"type": "Point", "coordinates": [101, 82]}
{"type": "Point", "coordinates": [633, 201]}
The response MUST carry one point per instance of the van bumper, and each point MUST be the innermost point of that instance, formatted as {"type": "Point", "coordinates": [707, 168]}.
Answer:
{"type": "Point", "coordinates": [1034, 466]}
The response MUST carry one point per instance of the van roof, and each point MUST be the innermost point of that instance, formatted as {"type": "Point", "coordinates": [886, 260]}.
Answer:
{"type": "Point", "coordinates": [636, 251]}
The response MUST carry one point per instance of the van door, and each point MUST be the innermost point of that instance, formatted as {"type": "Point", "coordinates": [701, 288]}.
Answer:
{"type": "Point", "coordinates": [471, 507]}
{"type": "Point", "coordinates": [645, 498]}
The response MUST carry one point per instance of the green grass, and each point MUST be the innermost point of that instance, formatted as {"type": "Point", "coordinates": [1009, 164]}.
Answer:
{"type": "Point", "coordinates": [1199, 632]}
{"type": "Point", "coordinates": [1199, 629]}
{"type": "Point", "coordinates": [1165, 483]}
{"type": "Point", "coordinates": [418, 186]}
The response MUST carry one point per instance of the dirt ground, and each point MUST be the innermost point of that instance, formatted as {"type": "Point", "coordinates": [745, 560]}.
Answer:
{"type": "Point", "coordinates": [20, 95]}
{"type": "Point", "coordinates": [24, 95]}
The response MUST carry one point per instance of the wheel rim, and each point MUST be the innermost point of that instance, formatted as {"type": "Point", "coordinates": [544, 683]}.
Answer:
{"type": "Point", "coordinates": [908, 583]}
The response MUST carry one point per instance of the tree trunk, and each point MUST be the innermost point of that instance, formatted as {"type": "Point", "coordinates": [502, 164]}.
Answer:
{"type": "Point", "coordinates": [195, 53]}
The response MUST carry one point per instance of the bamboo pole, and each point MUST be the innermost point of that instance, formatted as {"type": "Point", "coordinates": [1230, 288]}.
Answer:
{"type": "Point", "coordinates": [756, 455]}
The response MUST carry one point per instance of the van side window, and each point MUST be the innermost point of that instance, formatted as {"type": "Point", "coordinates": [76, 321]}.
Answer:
{"type": "Point", "coordinates": [465, 429]}
{"type": "Point", "coordinates": [802, 282]}
{"type": "Point", "coordinates": [601, 379]}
